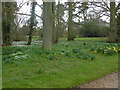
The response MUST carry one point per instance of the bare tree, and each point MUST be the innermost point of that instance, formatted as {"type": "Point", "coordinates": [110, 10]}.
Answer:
{"type": "Point", "coordinates": [32, 22]}
{"type": "Point", "coordinates": [111, 8]}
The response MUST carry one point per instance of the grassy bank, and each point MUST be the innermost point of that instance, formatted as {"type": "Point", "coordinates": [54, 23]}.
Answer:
{"type": "Point", "coordinates": [67, 65]}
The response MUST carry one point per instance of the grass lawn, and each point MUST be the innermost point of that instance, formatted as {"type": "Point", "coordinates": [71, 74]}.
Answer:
{"type": "Point", "coordinates": [68, 64]}
{"type": "Point", "coordinates": [87, 39]}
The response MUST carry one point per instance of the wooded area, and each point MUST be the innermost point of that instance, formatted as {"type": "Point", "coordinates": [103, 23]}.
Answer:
{"type": "Point", "coordinates": [53, 21]}
{"type": "Point", "coordinates": [58, 44]}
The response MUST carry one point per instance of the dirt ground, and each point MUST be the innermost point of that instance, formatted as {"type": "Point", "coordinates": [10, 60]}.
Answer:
{"type": "Point", "coordinates": [109, 81]}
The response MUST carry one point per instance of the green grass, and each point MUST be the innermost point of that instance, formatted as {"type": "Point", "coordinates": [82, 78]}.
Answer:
{"type": "Point", "coordinates": [92, 39]}
{"type": "Point", "coordinates": [34, 38]}
{"type": "Point", "coordinates": [87, 39]}
{"type": "Point", "coordinates": [38, 71]}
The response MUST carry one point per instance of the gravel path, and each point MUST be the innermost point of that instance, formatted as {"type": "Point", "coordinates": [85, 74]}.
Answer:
{"type": "Point", "coordinates": [109, 81]}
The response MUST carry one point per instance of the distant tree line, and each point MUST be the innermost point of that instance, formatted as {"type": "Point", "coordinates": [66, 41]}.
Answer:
{"type": "Point", "coordinates": [54, 24]}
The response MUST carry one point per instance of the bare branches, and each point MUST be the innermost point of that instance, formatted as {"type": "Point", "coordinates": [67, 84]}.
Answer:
{"type": "Point", "coordinates": [41, 6]}
{"type": "Point", "coordinates": [103, 6]}
{"type": "Point", "coordinates": [29, 15]}
{"type": "Point", "coordinates": [118, 6]}
{"type": "Point", "coordinates": [23, 14]}
{"type": "Point", "coordinates": [106, 5]}
{"type": "Point", "coordinates": [21, 4]}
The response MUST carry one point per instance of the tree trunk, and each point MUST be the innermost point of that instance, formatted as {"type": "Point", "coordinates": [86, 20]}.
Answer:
{"type": "Point", "coordinates": [70, 23]}
{"type": "Point", "coordinates": [118, 24]}
{"type": "Point", "coordinates": [47, 25]}
{"type": "Point", "coordinates": [57, 28]}
{"type": "Point", "coordinates": [0, 24]}
{"type": "Point", "coordinates": [113, 24]}
{"type": "Point", "coordinates": [54, 35]}
{"type": "Point", "coordinates": [6, 24]}
{"type": "Point", "coordinates": [31, 23]}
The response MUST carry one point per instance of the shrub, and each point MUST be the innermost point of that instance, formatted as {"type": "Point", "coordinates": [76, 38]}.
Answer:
{"type": "Point", "coordinates": [93, 29]}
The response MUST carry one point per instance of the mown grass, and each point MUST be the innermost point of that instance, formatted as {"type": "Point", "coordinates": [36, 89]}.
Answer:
{"type": "Point", "coordinates": [62, 71]}
{"type": "Point", "coordinates": [86, 39]}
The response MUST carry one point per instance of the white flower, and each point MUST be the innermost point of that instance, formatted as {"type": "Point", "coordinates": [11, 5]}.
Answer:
{"type": "Point", "coordinates": [17, 57]}
{"type": "Point", "coordinates": [13, 54]}
{"type": "Point", "coordinates": [62, 53]}
{"type": "Point", "coordinates": [19, 53]}
{"type": "Point", "coordinates": [21, 57]}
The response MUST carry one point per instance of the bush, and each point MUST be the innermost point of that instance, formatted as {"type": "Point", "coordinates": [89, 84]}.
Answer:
{"type": "Point", "coordinates": [93, 29]}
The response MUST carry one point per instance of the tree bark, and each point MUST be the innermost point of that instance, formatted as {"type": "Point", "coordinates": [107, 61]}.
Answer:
{"type": "Point", "coordinates": [6, 23]}
{"type": "Point", "coordinates": [54, 36]}
{"type": "Point", "coordinates": [6, 32]}
{"type": "Point", "coordinates": [1, 24]}
{"type": "Point", "coordinates": [47, 25]}
{"type": "Point", "coordinates": [70, 23]}
{"type": "Point", "coordinates": [118, 24]}
{"type": "Point", "coordinates": [112, 38]}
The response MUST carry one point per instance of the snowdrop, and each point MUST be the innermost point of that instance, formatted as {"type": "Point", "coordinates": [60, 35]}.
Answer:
{"type": "Point", "coordinates": [14, 54]}
{"type": "Point", "coordinates": [17, 57]}
{"type": "Point", "coordinates": [21, 57]}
